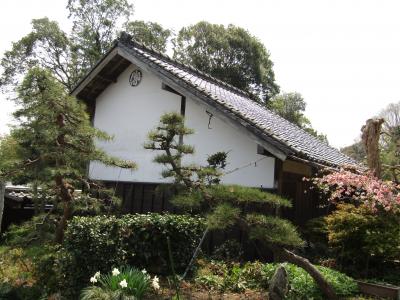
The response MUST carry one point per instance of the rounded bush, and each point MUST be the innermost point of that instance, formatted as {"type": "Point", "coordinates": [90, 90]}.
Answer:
{"type": "Point", "coordinates": [99, 243]}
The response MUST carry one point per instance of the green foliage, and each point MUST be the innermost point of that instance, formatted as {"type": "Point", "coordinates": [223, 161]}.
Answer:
{"type": "Point", "coordinates": [302, 286]}
{"type": "Point", "coordinates": [10, 292]}
{"type": "Point", "coordinates": [30, 256]}
{"type": "Point", "coordinates": [273, 230]}
{"type": "Point", "coordinates": [292, 106]}
{"type": "Point", "coordinates": [9, 152]}
{"type": "Point", "coordinates": [138, 284]}
{"type": "Point", "coordinates": [95, 26]}
{"type": "Point", "coordinates": [356, 151]}
{"type": "Point", "coordinates": [390, 142]}
{"type": "Point", "coordinates": [223, 205]}
{"type": "Point", "coordinates": [315, 232]}
{"type": "Point", "coordinates": [230, 54]}
{"type": "Point", "coordinates": [237, 194]}
{"type": "Point", "coordinates": [67, 56]}
{"type": "Point", "coordinates": [55, 140]}
{"type": "Point", "coordinates": [166, 138]}
{"type": "Point", "coordinates": [234, 277]}
{"type": "Point", "coordinates": [30, 233]}
{"type": "Point", "coordinates": [22, 275]}
{"type": "Point", "coordinates": [223, 216]}
{"type": "Point", "coordinates": [355, 233]}
{"type": "Point", "coordinates": [230, 250]}
{"type": "Point", "coordinates": [99, 243]}
{"type": "Point", "coordinates": [46, 46]}
{"type": "Point", "coordinates": [151, 34]}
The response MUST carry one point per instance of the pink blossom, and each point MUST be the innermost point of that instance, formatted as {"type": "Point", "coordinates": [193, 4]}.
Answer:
{"type": "Point", "coordinates": [360, 188]}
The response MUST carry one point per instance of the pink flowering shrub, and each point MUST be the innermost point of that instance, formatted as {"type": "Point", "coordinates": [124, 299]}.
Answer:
{"type": "Point", "coordinates": [364, 229]}
{"type": "Point", "coordinates": [346, 186]}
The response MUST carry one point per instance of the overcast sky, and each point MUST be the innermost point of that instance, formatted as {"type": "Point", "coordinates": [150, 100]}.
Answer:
{"type": "Point", "coordinates": [343, 56]}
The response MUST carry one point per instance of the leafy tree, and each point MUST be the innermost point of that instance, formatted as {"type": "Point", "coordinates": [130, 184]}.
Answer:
{"type": "Point", "coordinates": [230, 54]}
{"type": "Point", "coordinates": [67, 56]}
{"type": "Point", "coordinates": [8, 156]}
{"type": "Point", "coordinates": [95, 26]}
{"type": "Point", "coordinates": [390, 142]}
{"type": "Point", "coordinates": [356, 151]}
{"type": "Point", "coordinates": [150, 34]}
{"type": "Point", "coordinates": [225, 205]}
{"type": "Point", "coordinates": [56, 140]}
{"type": "Point", "coordinates": [46, 46]}
{"type": "Point", "coordinates": [292, 106]}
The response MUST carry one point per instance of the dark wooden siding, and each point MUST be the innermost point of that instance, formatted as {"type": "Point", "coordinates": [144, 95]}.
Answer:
{"type": "Point", "coordinates": [306, 202]}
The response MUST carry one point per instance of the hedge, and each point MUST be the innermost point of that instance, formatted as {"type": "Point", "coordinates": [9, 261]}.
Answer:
{"type": "Point", "coordinates": [99, 243]}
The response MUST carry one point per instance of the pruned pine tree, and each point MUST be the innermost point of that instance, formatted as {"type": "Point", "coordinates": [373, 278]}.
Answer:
{"type": "Point", "coordinates": [225, 205]}
{"type": "Point", "coordinates": [56, 140]}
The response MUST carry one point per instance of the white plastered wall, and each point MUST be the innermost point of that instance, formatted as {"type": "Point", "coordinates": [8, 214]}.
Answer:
{"type": "Point", "coordinates": [129, 113]}
{"type": "Point", "coordinates": [244, 165]}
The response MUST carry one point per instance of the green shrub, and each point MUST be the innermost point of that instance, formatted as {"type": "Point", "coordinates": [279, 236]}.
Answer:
{"type": "Point", "coordinates": [302, 286]}
{"type": "Point", "coordinates": [10, 292]}
{"type": "Point", "coordinates": [35, 231]}
{"type": "Point", "coordinates": [230, 250]}
{"type": "Point", "coordinates": [99, 243]}
{"type": "Point", "coordinates": [256, 275]}
{"type": "Point", "coordinates": [362, 239]}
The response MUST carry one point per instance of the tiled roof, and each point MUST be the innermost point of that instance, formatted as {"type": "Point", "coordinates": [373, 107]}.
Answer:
{"type": "Point", "coordinates": [290, 137]}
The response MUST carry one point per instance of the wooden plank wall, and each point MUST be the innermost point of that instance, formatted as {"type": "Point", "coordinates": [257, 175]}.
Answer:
{"type": "Point", "coordinates": [306, 202]}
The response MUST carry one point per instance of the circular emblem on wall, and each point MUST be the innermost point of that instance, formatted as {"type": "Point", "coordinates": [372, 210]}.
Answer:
{"type": "Point", "coordinates": [135, 77]}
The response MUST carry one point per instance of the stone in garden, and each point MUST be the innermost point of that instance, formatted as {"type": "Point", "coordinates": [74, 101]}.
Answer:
{"type": "Point", "coordinates": [278, 285]}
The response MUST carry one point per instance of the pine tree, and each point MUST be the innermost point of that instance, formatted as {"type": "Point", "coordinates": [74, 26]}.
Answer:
{"type": "Point", "coordinates": [225, 206]}
{"type": "Point", "coordinates": [56, 141]}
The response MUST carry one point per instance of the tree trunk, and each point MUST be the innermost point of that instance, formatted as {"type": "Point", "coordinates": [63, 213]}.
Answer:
{"type": "Point", "coordinates": [2, 192]}
{"type": "Point", "coordinates": [371, 132]}
{"type": "Point", "coordinates": [304, 263]}
{"type": "Point", "coordinates": [62, 224]}
{"type": "Point", "coordinates": [66, 197]}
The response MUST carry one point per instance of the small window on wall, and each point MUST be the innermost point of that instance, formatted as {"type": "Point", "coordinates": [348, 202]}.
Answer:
{"type": "Point", "coordinates": [262, 151]}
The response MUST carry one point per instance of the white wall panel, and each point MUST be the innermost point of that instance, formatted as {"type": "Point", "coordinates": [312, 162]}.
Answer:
{"type": "Point", "coordinates": [129, 113]}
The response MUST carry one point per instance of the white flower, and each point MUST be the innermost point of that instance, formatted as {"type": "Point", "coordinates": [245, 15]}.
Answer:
{"type": "Point", "coordinates": [93, 279]}
{"type": "Point", "coordinates": [115, 272]}
{"type": "Point", "coordinates": [155, 283]}
{"type": "Point", "coordinates": [123, 283]}
{"type": "Point", "coordinates": [144, 271]}
{"type": "Point", "coordinates": [97, 274]}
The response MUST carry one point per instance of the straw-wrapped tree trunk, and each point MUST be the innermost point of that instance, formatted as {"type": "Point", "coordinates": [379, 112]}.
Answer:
{"type": "Point", "coordinates": [371, 132]}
